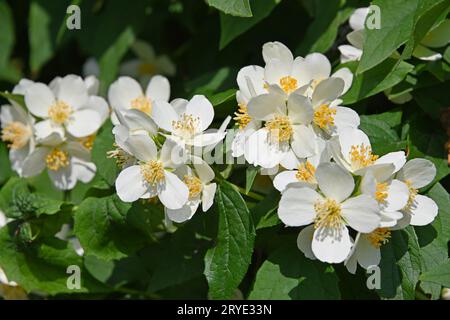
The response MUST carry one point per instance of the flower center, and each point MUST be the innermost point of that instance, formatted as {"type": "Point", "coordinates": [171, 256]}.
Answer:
{"type": "Point", "coordinates": [288, 84]}
{"type": "Point", "coordinates": [381, 192]}
{"type": "Point", "coordinates": [242, 117]}
{"type": "Point", "coordinates": [328, 214]}
{"type": "Point", "coordinates": [59, 112]}
{"type": "Point", "coordinates": [361, 156]}
{"type": "Point", "coordinates": [194, 185]}
{"type": "Point", "coordinates": [146, 68]}
{"type": "Point", "coordinates": [153, 172]}
{"type": "Point", "coordinates": [379, 236]}
{"type": "Point", "coordinates": [88, 142]}
{"type": "Point", "coordinates": [16, 134]}
{"type": "Point", "coordinates": [186, 126]}
{"type": "Point", "coordinates": [280, 129]}
{"type": "Point", "coordinates": [324, 116]}
{"type": "Point", "coordinates": [142, 103]}
{"type": "Point", "coordinates": [306, 172]}
{"type": "Point", "coordinates": [57, 159]}
{"type": "Point", "coordinates": [122, 158]}
{"type": "Point", "coordinates": [412, 194]}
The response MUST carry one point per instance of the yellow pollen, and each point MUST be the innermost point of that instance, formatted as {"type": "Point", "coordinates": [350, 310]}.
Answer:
{"type": "Point", "coordinates": [288, 84]}
{"type": "Point", "coordinates": [412, 194]}
{"type": "Point", "coordinates": [381, 192]}
{"type": "Point", "coordinates": [379, 236]}
{"type": "Point", "coordinates": [361, 156]}
{"type": "Point", "coordinates": [194, 184]}
{"type": "Point", "coordinates": [122, 158]}
{"type": "Point", "coordinates": [324, 116]}
{"type": "Point", "coordinates": [153, 172]}
{"type": "Point", "coordinates": [242, 117]}
{"type": "Point", "coordinates": [186, 126]}
{"type": "Point", "coordinates": [16, 135]}
{"type": "Point", "coordinates": [306, 172]}
{"type": "Point", "coordinates": [328, 214]}
{"type": "Point", "coordinates": [88, 142]}
{"type": "Point", "coordinates": [59, 112]}
{"type": "Point", "coordinates": [146, 69]}
{"type": "Point", "coordinates": [280, 129]}
{"type": "Point", "coordinates": [142, 103]}
{"type": "Point", "coordinates": [57, 159]}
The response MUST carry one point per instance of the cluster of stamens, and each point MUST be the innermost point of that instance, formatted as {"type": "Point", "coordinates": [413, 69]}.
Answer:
{"type": "Point", "coordinates": [412, 194]}
{"type": "Point", "coordinates": [142, 103]}
{"type": "Point", "coordinates": [306, 172]}
{"type": "Point", "coordinates": [361, 156]}
{"type": "Point", "coordinates": [288, 84]}
{"type": "Point", "coordinates": [57, 159]}
{"type": "Point", "coordinates": [194, 185]}
{"type": "Point", "coordinates": [280, 129]}
{"type": "Point", "coordinates": [186, 126]}
{"type": "Point", "coordinates": [324, 116]}
{"type": "Point", "coordinates": [59, 112]}
{"type": "Point", "coordinates": [153, 172]}
{"type": "Point", "coordinates": [88, 142]}
{"type": "Point", "coordinates": [328, 214]}
{"type": "Point", "coordinates": [16, 135]}
{"type": "Point", "coordinates": [122, 158]}
{"type": "Point", "coordinates": [241, 116]}
{"type": "Point", "coordinates": [381, 192]}
{"type": "Point", "coordinates": [379, 236]}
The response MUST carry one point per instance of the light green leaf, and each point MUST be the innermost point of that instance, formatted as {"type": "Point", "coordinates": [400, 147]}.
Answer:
{"type": "Point", "coordinates": [288, 274]}
{"type": "Point", "coordinates": [227, 263]}
{"type": "Point", "coordinates": [440, 274]}
{"type": "Point", "coordinates": [240, 8]}
{"type": "Point", "coordinates": [7, 33]}
{"type": "Point", "coordinates": [250, 175]}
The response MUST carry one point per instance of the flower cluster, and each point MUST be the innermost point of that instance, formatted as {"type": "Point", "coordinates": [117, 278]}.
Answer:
{"type": "Point", "coordinates": [348, 198]}
{"type": "Point", "coordinates": [55, 130]}
{"type": "Point", "coordinates": [156, 146]}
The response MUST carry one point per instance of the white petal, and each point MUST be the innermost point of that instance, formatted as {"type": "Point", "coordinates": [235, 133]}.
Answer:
{"type": "Point", "coordinates": [130, 185]}
{"type": "Point", "coordinates": [142, 147]}
{"type": "Point", "coordinates": [158, 89]}
{"type": "Point", "coordinates": [284, 178]}
{"type": "Point", "coordinates": [356, 39]}
{"type": "Point", "coordinates": [420, 172]}
{"type": "Point", "coordinates": [83, 123]}
{"type": "Point", "coordinates": [335, 182]}
{"type": "Point", "coordinates": [358, 18]}
{"type": "Point", "coordinates": [304, 241]}
{"type": "Point", "coordinates": [45, 128]}
{"type": "Point", "coordinates": [64, 178]}
{"type": "Point", "coordinates": [164, 115]}
{"type": "Point", "coordinates": [300, 109]}
{"type": "Point", "coordinates": [179, 105]}
{"type": "Point", "coordinates": [346, 75]}
{"type": "Point", "coordinates": [174, 194]}
{"type": "Point", "coordinates": [331, 245]}
{"type": "Point", "coordinates": [327, 91]}
{"type": "Point", "coordinates": [423, 211]}
{"type": "Point", "coordinates": [304, 141]}
{"type": "Point", "coordinates": [315, 66]}
{"type": "Point", "coordinates": [183, 214]}
{"type": "Point", "coordinates": [296, 206]}
{"type": "Point", "coordinates": [398, 159]}
{"type": "Point", "coordinates": [275, 70]}
{"type": "Point", "coordinates": [361, 213]}
{"type": "Point", "coordinates": [250, 80]}
{"type": "Point", "coordinates": [277, 50]}
{"type": "Point", "coordinates": [290, 160]}
{"type": "Point", "coordinates": [203, 170]}
{"type": "Point", "coordinates": [208, 193]}
{"type": "Point", "coordinates": [76, 149]}
{"type": "Point", "coordinates": [99, 105]}
{"type": "Point", "coordinates": [92, 85]}
{"type": "Point", "coordinates": [352, 137]}
{"type": "Point", "coordinates": [39, 98]}
{"type": "Point", "coordinates": [398, 194]}
{"type": "Point", "coordinates": [264, 106]}
{"type": "Point", "coordinates": [84, 171]}
{"type": "Point", "coordinates": [199, 106]}
{"type": "Point", "coordinates": [35, 162]}
{"type": "Point", "coordinates": [346, 118]}
{"type": "Point", "coordinates": [72, 90]}
{"type": "Point", "coordinates": [137, 120]}
{"type": "Point", "coordinates": [426, 54]}
{"type": "Point", "coordinates": [122, 92]}
{"type": "Point", "coordinates": [367, 254]}
{"type": "Point", "coordinates": [17, 158]}
{"type": "Point", "coordinates": [349, 53]}
{"type": "Point", "coordinates": [260, 152]}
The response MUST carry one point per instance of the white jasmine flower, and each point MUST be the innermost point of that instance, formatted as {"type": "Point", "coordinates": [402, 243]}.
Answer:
{"type": "Point", "coordinates": [153, 174]}
{"type": "Point", "coordinates": [187, 121]}
{"type": "Point", "coordinates": [126, 93]}
{"type": "Point", "coordinates": [331, 211]}
{"type": "Point", "coordinates": [65, 106]}
{"type": "Point", "coordinates": [353, 52]}
{"type": "Point", "coordinates": [66, 162]}
{"type": "Point", "coordinates": [201, 190]}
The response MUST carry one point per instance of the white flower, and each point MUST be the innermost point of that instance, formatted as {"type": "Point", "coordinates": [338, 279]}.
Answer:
{"type": "Point", "coordinates": [420, 210]}
{"type": "Point", "coordinates": [153, 174]}
{"type": "Point", "coordinates": [66, 161]}
{"type": "Point", "coordinates": [126, 93]}
{"type": "Point", "coordinates": [66, 105]}
{"type": "Point", "coordinates": [17, 129]}
{"type": "Point", "coordinates": [201, 190]}
{"type": "Point", "coordinates": [438, 37]}
{"type": "Point", "coordinates": [353, 151]}
{"type": "Point", "coordinates": [330, 211]}
{"type": "Point", "coordinates": [353, 52]}
{"type": "Point", "coordinates": [187, 121]}
{"type": "Point", "coordinates": [65, 234]}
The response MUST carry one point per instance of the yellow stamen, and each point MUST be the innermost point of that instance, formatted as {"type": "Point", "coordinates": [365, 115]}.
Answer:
{"type": "Point", "coordinates": [280, 129]}
{"type": "Point", "coordinates": [288, 84]}
{"type": "Point", "coordinates": [88, 142]}
{"type": "Point", "coordinates": [412, 195]}
{"type": "Point", "coordinates": [379, 236]}
{"type": "Point", "coordinates": [194, 184]}
{"type": "Point", "coordinates": [57, 159]}
{"type": "Point", "coordinates": [361, 156]}
{"type": "Point", "coordinates": [142, 103]}
{"type": "Point", "coordinates": [16, 135]}
{"type": "Point", "coordinates": [122, 158]}
{"type": "Point", "coordinates": [59, 112]}
{"type": "Point", "coordinates": [242, 117]}
{"type": "Point", "coordinates": [328, 214]}
{"type": "Point", "coordinates": [146, 69]}
{"type": "Point", "coordinates": [306, 172]}
{"type": "Point", "coordinates": [186, 126]}
{"type": "Point", "coordinates": [324, 116]}
{"type": "Point", "coordinates": [381, 192]}
{"type": "Point", "coordinates": [153, 172]}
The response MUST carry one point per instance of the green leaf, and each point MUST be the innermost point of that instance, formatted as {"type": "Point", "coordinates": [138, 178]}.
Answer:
{"type": "Point", "coordinates": [7, 33]}
{"type": "Point", "coordinates": [104, 142]}
{"type": "Point", "coordinates": [227, 263]}
{"type": "Point", "coordinates": [264, 213]}
{"type": "Point", "coordinates": [6, 171]}
{"type": "Point", "coordinates": [18, 98]}
{"type": "Point", "coordinates": [103, 230]}
{"type": "Point", "coordinates": [382, 77]}
{"type": "Point", "coordinates": [42, 266]}
{"type": "Point", "coordinates": [400, 265]}
{"type": "Point", "coordinates": [288, 274]}
{"type": "Point", "coordinates": [231, 27]}
{"type": "Point", "coordinates": [223, 97]}
{"type": "Point", "coordinates": [250, 175]}
{"type": "Point", "coordinates": [433, 100]}
{"type": "Point", "coordinates": [240, 8]}
{"type": "Point", "coordinates": [440, 274]}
